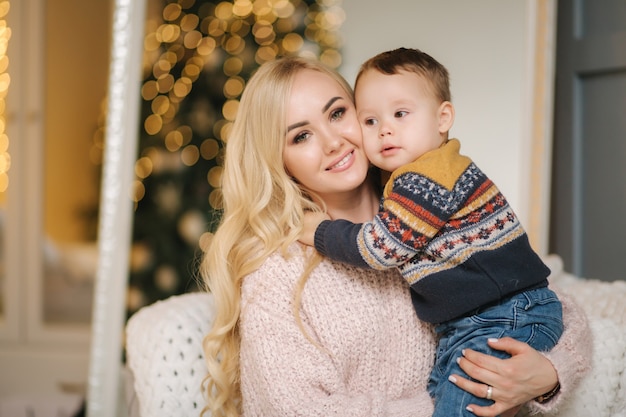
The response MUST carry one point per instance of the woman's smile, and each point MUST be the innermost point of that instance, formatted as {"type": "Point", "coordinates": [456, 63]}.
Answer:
{"type": "Point", "coordinates": [343, 163]}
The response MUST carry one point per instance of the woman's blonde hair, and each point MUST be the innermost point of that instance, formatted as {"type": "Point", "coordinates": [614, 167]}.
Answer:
{"type": "Point", "coordinates": [263, 209]}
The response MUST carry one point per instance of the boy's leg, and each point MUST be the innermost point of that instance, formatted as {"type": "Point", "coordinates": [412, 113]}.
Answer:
{"type": "Point", "coordinates": [533, 317]}
{"type": "Point", "coordinates": [450, 400]}
{"type": "Point", "coordinates": [538, 319]}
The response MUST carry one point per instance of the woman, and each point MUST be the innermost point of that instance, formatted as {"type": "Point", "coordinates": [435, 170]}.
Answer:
{"type": "Point", "coordinates": [297, 335]}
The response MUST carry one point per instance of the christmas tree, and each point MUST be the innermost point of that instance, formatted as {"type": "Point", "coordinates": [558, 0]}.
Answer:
{"type": "Point", "coordinates": [198, 56]}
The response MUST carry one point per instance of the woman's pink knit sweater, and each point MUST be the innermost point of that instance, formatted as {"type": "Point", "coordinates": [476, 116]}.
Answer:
{"type": "Point", "coordinates": [373, 356]}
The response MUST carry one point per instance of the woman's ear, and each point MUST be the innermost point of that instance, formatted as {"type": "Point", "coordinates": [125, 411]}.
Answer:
{"type": "Point", "coordinates": [446, 116]}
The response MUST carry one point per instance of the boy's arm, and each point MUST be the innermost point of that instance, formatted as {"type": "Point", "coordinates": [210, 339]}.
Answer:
{"type": "Point", "coordinates": [310, 222]}
{"type": "Point", "coordinates": [405, 224]}
{"type": "Point", "coordinates": [337, 239]}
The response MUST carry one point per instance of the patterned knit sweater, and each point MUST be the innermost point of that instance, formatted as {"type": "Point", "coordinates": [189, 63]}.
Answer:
{"type": "Point", "coordinates": [374, 355]}
{"type": "Point", "coordinates": [449, 231]}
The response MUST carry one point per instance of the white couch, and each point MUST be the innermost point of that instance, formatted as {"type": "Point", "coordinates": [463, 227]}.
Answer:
{"type": "Point", "coordinates": [165, 359]}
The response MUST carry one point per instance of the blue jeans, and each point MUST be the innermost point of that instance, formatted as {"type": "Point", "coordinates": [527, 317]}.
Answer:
{"type": "Point", "coordinates": [533, 316]}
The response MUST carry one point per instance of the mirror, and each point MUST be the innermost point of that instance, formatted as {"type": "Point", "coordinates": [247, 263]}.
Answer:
{"type": "Point", "coordinates": [114, 230]}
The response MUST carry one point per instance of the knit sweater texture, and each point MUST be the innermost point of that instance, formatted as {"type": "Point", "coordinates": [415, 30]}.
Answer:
{"type": "Point", "coordinates": [373, 355]}
{"type": "Point", "coordinates": [449, 230]}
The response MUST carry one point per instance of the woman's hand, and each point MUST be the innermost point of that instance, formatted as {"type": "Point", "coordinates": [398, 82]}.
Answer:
{"type": "Point", "coordinates": [515, 381]}
{"type": "Point", "coordinates": [310, 222]}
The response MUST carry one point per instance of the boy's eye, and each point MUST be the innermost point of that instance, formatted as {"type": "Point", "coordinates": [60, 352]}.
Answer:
{"type": "Point", "coordinates": [400, 113]}
{"type": "Point", "coordinates": [370, 122]}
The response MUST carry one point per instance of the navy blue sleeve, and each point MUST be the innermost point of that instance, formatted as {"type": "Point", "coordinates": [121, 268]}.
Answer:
{"type": "Point", "coordinates": [337, 240]}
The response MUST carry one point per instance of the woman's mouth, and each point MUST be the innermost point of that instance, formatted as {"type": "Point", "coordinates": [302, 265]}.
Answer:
{"type": "Point", "coordinates": [342, 162]}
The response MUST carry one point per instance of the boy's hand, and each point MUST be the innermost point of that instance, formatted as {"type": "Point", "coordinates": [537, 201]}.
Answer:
{"type": "Point", "coordinates": [311, 221]}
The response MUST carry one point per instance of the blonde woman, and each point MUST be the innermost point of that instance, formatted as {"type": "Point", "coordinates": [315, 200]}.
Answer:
{"type": "Point", "coordinates": [297, 335]}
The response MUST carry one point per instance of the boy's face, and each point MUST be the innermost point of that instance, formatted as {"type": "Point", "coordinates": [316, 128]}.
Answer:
{"type": "Point", "coordinates": [400, 116]}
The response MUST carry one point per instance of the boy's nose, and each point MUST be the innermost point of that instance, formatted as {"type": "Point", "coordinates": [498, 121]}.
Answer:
{"type": "Point", "coordinates": [384, 131]}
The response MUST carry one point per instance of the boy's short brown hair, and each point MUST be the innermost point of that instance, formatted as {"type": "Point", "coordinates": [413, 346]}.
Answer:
{"type": "Point", "coordinates": [411, 60]}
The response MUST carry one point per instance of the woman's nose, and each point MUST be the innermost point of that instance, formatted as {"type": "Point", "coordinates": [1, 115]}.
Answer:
{"type": "Point", "coordinates": [332, 143]}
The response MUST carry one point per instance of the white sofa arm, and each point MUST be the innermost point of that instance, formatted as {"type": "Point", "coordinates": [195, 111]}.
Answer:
{"type": "Point", "coordinates": [602, 392]}
{"type": "Point", "coordinates": [164, 354]}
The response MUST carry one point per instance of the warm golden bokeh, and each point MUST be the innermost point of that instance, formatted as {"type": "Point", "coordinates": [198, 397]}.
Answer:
{"type": "Point", "coordinates": [5, 80]}
{"type": "Point", "coordinates": [220, 34]}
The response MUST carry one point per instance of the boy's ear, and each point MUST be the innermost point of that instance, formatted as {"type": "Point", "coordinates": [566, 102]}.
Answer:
{"type": "Point", "coordinates": [446, 116]}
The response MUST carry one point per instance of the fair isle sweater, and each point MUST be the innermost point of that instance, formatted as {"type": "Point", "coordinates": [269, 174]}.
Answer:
{"type": "Point", "coordinates": [445, 225]}
{"type": "Point", "coordinates": [374, 355]}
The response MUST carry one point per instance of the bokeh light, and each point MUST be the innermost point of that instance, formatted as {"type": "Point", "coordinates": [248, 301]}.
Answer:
{"type": "Point", "coordinates": [5, 81]}
{"type": "Point", "coordinates": [216, 45]}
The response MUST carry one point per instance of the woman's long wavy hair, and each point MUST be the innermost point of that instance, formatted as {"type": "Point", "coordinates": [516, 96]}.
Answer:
{"type": "Point", "coordinates": [263, 209]}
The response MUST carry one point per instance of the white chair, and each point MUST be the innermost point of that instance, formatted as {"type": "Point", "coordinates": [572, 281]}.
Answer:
{"type": "Point", "coordinates": [165, 358]}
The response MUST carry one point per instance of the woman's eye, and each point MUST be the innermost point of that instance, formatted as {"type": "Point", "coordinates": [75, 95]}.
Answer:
{"type": "Point", "coordinates": [337, 114]}
{"type": "Point", "coordinates": [301, 137]}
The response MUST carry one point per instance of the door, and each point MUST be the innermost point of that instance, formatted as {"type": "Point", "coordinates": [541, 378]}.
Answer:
{"type": "Point", "coordinates": [588, 215]}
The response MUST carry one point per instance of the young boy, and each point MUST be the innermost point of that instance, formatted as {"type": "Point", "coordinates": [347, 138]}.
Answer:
{"type": "Point", "coordinates": [443, 224]}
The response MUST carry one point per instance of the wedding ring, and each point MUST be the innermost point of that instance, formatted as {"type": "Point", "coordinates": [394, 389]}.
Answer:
{"type": "Point", "coordinates": [489, 392]}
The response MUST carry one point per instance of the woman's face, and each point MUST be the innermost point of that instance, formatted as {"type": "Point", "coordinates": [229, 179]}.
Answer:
{"type": "Point", "coordinates": [324, 143]}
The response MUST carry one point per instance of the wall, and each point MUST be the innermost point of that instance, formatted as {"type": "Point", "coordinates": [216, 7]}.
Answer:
{"type": "Point", "coordinates": [483, 45]}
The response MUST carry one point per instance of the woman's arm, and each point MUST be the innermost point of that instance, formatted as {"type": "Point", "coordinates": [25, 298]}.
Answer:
{"type": "Point", "coordinates": [529, 373]}
{"type": "Point", "coordinates": [571, 357]}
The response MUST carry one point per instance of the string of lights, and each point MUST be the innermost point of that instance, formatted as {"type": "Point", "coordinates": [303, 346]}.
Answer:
{"type": "Point", "coordinates": [5, 80]}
